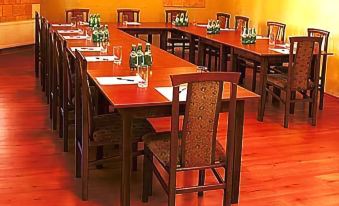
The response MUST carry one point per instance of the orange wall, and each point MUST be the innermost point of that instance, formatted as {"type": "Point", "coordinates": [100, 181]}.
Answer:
{"type": "Point", "coordinates": [298, 15]}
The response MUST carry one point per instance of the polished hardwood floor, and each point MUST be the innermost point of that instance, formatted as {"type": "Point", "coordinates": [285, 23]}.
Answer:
{"type": "Point", "coordinates": [280, 167]}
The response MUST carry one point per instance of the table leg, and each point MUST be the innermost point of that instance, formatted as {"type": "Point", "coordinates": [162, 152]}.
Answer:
{"type": "Point", "coordinates": [201, 50]}
{"type": "Point", "coordinates": [192, 49]}
{"type": "Point", "coordinates": [234, 61]}
{"type": "Point", "coordinates": [126, 159]}
{"type": "Point", "coordinates": [239, 122]}
{"type": "Point", "coordinates": [263, 74]}
{"type": "Point", "coordinates": [223, 59]}
{"type": "Point", "coordinates": [163, 40]}
{"type": "Point", "coordinates": [150, 38]}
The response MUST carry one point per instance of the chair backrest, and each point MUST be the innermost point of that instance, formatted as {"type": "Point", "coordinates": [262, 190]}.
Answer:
{"type": "Point", "coordinates": [320, 33]}
{"type": "Point", "coordinates": [241, 22]}
{"type": "Point", "coordinates": [68, 73]}
{"type": "Point", "coordinates": [171, 14]}
{"type": "Point", "coordinates": [44, 41]}
{"type": "Point", "coordinates": [224, 20]}
{"type": "Point", "coordinates": [278, 29]}
{"type": "Point", "coordinates": [203, 104]}
{"type": "Point", "coordinates": [80, 14]}
{"type": "Point", "coordinates": [37, 28]}
{"type": "Point", "coordinates": [303, 72]}
{"type": "Point", "coordinates": [130, 15]}
{"type": "Point", "coordinates": [87, 104]}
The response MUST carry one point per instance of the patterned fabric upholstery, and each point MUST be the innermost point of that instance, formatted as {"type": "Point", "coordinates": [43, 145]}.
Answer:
{"type": "Point", "coordinates": [108, 128]}
{"type": "Point", "coordinates": [301, 68]}
{"type": "Point", "coordinates": [223, 21]}
{"type": "Point", "coordinates": [159, 144]}
{"type": "Point", "coordinates": [199, 123]}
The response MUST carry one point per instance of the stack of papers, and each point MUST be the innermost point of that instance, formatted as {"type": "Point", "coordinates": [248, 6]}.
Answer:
{"type": "Point", "coordinates": [62, 24]}
{"type": "Point", "coordinates": [167, 92]}
{"type": "Point", "coordinates": [87, 49]}
{"type": "Point", "coordinates": [123, 80]}
{"type": "Point", "coordinates": [101, 58]}
{"type": "Point", "coordinates": [75, 37]}
{"type": "Point", "coordinates": [227, 29]}
{"type": "Point", "coordinates": [69, 31]}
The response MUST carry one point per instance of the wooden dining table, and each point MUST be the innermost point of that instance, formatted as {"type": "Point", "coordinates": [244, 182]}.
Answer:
{"type": "Point", "coordinates": [133, 102]}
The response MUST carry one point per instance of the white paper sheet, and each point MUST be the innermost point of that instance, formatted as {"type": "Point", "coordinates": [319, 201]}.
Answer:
{"type": "Point", "coordinates": [55, 25]}
{"type": "Point", "coordinates": [123, 80]}
{"type": "Point", "coordinates": [75, 37]}
{"type": "Point", "coordinates": [167, 92]}
{"type": "Point", "coordinates": [133, 23]}
{"type": "Point", "coordinates": [76, 31]}
{"type": "Point", "coordinates": [202, 25]}
{"type": "Point", "coordinates": [262, 37]}
{"type": "Point", "coordinates": [84, 23]}
{"type": "Point", "coordinates": [282, 51]}
{"type": "Point", "coordinates": [100, 58]}
{"type": "Point", "coordinates": [227, 29]}
{"type": "Point", "coordinates": [87, 49]}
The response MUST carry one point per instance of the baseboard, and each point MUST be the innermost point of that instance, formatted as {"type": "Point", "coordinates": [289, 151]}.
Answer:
{"type": "Point", "coordinates": [16, 49]}
{"type": "Point", "coordinates": [332, 95]}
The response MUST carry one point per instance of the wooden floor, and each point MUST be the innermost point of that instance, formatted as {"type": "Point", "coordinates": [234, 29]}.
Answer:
{"type": "Point", "coordinates": [281, 167]}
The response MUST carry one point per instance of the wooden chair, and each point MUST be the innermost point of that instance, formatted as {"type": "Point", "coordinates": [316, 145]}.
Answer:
{"type": "Point", "coordinates": [54, 74]}
{"type": "Point", "coordinates": [224, 19]}
{"type": "Point", "coordinates": [241, 22]}
{"type": "Point", "coordinates": [325, 35]}
{"type": "Point", "coordinates": [80, 14]}
{"type": "Point", "coordinates": [302, 77]}
{"type": "Point", "coordinates": [97, 130]}
{"type": "Point", "coordinates": [176, 39]}
{"type": "Point", "coordinates": [195, 147]}
{"type": "Point", "coordinates": [44, 53]}
{"type": "Point", "coordinates": [37, 45]}
{"type": "Point", "coordinates": [130, 15]}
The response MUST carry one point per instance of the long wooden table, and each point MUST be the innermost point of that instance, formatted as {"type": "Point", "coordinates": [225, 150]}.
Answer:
{"type": "Point", "coordinates": [133, 102]}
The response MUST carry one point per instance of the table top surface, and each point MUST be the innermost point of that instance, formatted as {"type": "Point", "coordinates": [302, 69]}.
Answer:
{"type": "Point", "coordinates": [164, 65]}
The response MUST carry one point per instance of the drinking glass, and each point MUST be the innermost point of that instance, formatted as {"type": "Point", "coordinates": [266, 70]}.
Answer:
{"type": "Point", "coordinates": [117, 52]}
{"type": "Point", "coordinates": [143, 72]}
{"type": "Point", "coordinates": [88, 33]}
{"type": "Point", "coordinates": [271, 40]}
{"type": "Point", "coordinates": [201, 69]}
{"type": "Point", "coordinates": [104, 46]}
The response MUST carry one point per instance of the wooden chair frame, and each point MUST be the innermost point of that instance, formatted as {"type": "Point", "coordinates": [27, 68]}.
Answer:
{"type": "Point", "coordinates": [170, 187]}
{"type": "Point", "coordinates": [134, 12]}
{"type": "Point", "coordinates": [37, 44]}
{"type": "Point", "coordinates": [237, 19]}
{"type": "Point", "coordinates": [290, 97]}
{"type": "Point", "coordinates": [227, 17]}
{"type": "Point", "coordinates": [325, 35]}
{"type": "Point", "coordinates": [281, 29]}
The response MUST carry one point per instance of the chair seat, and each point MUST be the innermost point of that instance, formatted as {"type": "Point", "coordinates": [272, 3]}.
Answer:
{"type": "Point", "coordinates": [159, 145]}
{"type": "Point", "coordinates": [108, 128]}
{"type": "Point", "coordinates": [279, 80]}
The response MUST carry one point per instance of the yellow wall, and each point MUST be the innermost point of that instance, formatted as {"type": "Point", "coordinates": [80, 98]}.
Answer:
{"type": "Point", "coordinates": [298, 15]}
{"type": "Point", "coordinates": [151, 10]}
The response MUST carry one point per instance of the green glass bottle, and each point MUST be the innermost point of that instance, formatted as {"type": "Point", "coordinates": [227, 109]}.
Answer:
{"type": "Point", "coordinates": [141, 56]}
{"type": "Point", "coordinates": [90, 22]}
{"type": "Point", "coordinates": [133, 58]}
{"type": "Point", "coordinates": [106, 33]}
{"type": "Point", "coordinates": [99, 20]}
{"type": "Point", "coordinates": [148, 55]}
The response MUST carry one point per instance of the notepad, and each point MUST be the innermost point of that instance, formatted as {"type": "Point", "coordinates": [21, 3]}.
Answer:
{"type": "Point", "coordinates": [202, 25]}
{"type": "Point", "coordinates": [69, 31]}
{"type": "Point", "coordinates": [282, 51]}
{"type": "Point", "coordinates": [75, 37]}
{"type": "Point", "coordinates": [87, 49]}
{"type": "Point", "coordinates": [55, 25]}
{"type": "Point", "coordinates": [262, 37]}
{"type": "Point", "coordinates": [122, 80]}
{"type": "Point", "coordinates": [167, 92]}
{"type": "Point", "coordinates": [227, 29]}
{"type": "Point", "coordinates": [100, 58]}
{"type": "Point", "coordinates": [132, 23]}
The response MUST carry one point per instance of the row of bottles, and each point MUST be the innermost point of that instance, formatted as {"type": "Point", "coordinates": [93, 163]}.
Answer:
{"type": "Point", "coordinates": [181, 20]}
{"type": "Point", "coordinates": [140, 58]}
{"type": "Point", "coordinates": [213, 27]}
{"type": "Point", "coordinates": [248, 36]}
{"type": "Point", "coordinates": [100, 34]}
{"type": "Point", "coordinates": [94, 20]}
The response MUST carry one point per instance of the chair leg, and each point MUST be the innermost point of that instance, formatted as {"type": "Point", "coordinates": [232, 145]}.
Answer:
{"type": "Point", "coordinates": [147, 175]}
{"type": "Point", "coordinates": [209, 58]}
{"type": "Point", "coordinates": [172, 48]}
{"type": "Point", "coordinates": [321, 99]}
{"type": "Point", "coordinates": [287, 108]}
{"type": "Point", "coordinates": [254, 77]}
{"type": "Point", "coordinates": [65, 131]}
{"type": "Point", "coordinates": [77, 160]}
{"type": "Point", "coordinates": [99, 156]}
{"type": "Point", "coordinates": [135, 158]}
{"type": "Point", "coordinates": [54, 112]}
{"type": "Point", "coordinates": [216, 58]}
{"type": "Point", "coordinates": [264, 96]}
{"type": "Point", "coordinates": [183, 51]}
{"type": "Point", "coordinates": [84, 178]}
{"type": "Point", "coordinates": [201, 181]}
{"type": "Point", "coordinates": [315, 107]}
{"type": "Point", "coordinates": [293, 95]}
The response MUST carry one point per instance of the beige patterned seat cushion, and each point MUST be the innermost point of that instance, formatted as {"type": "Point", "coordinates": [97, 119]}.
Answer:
{"type": "Point", "coordinates": [159, 144]}
{"type": "Point", "coordinates": [108, 128]}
